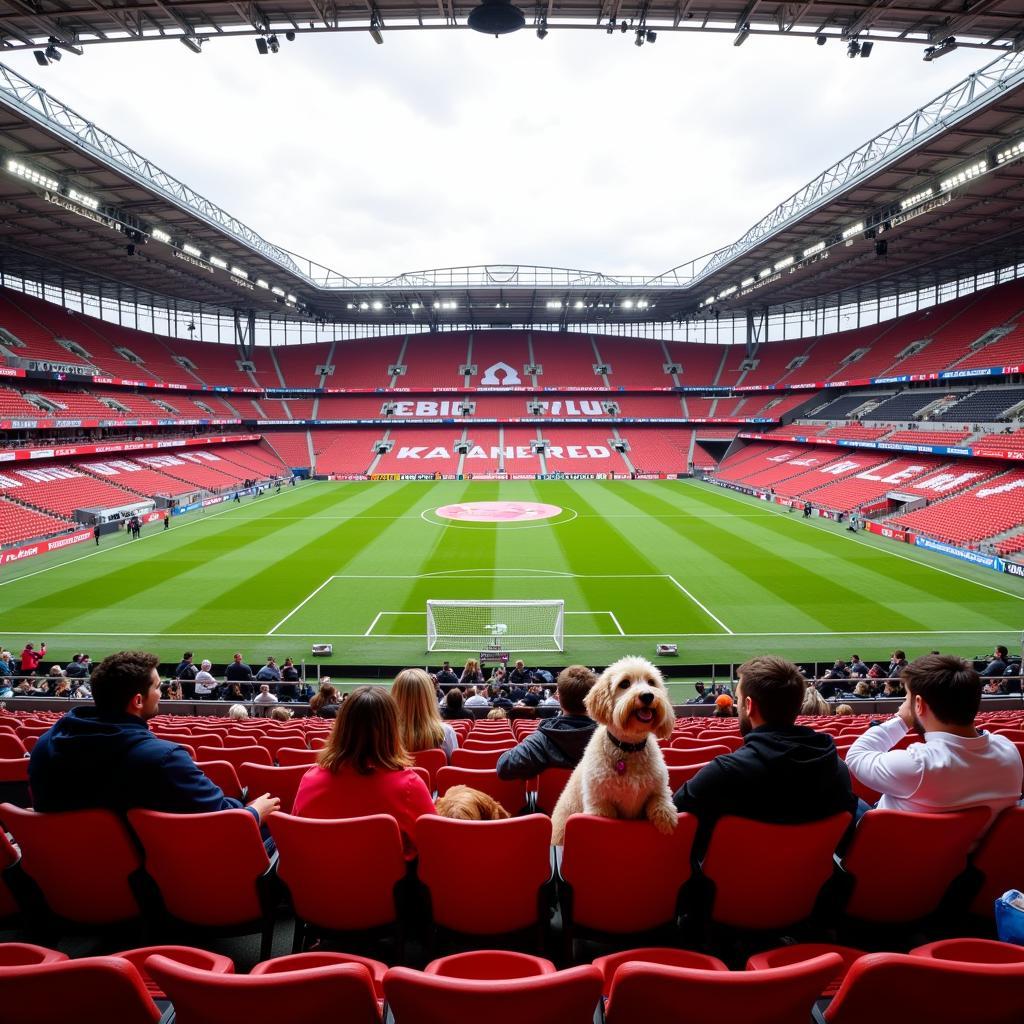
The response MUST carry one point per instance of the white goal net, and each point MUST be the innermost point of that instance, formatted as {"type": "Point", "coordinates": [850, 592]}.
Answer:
{"type": "Point", "coordinates": [496, 625]}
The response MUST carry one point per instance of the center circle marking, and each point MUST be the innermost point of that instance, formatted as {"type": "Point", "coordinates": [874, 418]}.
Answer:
{"type": "Point", "coordinates": [498, 511]}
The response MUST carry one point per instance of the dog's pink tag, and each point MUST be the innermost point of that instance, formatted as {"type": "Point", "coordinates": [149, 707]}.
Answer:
{"type": "Point", "coordinates": [620, 767]}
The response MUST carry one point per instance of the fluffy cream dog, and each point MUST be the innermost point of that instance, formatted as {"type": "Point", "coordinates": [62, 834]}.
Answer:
{"type": "Point", "coordinates": [622, 773]}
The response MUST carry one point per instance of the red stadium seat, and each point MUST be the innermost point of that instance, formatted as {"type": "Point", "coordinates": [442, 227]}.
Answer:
{"type": "Point", "coordinates": [783, 995]}
{"type": "Point", "coordinates": [234, 901]}
{"type": "Point", "coordinates": [565, 997]}
{"type": "Point", "coordinates": [96, 836]}
{"type": "Point", "coordinates": [331, 992]}
{"type": "Point", "coordinates": [472, 743]}
{"type": "Point", "coordinates": [325, 958]}
{"type": "Point", "coordinates": [801, 951]}
{"type": "Point", "coordinates": [280, 782]}
{"type": "Point", "coordinates": [433, 760]}
{"type": "Point", "coordinates": [890, 988]}
{"type": "Point", "coordinates": [490, 965]}
{"type": "Point", "coordinates": [550, 784]}
{"type": "Point", "coordinates": [666, 956]}
{"type": "Point", "coordinates": [922, 854]}
{"type": "Point", "coordinates": [972, 951]}
{"type": "Point", "coordinates": [797, 858]}
{"type": "Point", "coordinates": [998, 860]}
{"type": "Point", "coordinates": [235, 755]}
{"type": "Point", "coordinates": [223, 774]}
{"type": "Point", "coordinates": [24, 954]}
{"type": "Point", "coordinates": [679, 775]}
{"type": "Point", "coordinates": [14, 782]}
{"type": "Point", "coordinates": [288, 756]}
{"type": "Point", "coordinates": [11, 746]}
{"type": "Point", "coordinates": [591, 903]}
{"type": "Point", "coordinates": [93, 990]}
{"type": "Point", "coordinates": [367, 862]}
{"type": "Point", "coordinates": [509, 793]}
{"type": "Point", "coordinates": [476, 758]}
{"type": "Point", "coordinates": [524, 842]}
{"type": "Point", "coordinates": [199, 958]}
{"type": "Point", "coordinates": [678, 757]}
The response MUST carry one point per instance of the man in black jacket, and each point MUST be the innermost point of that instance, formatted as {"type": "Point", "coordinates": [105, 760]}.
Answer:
{"type": "Point", "coordinates": [784, 773]}
{"type": "Point", "coordinates": [556, 742]}
{"type": "Point", "coordinates": [239, 672]}
{"type": "Point", "coordinates": [446, 678]}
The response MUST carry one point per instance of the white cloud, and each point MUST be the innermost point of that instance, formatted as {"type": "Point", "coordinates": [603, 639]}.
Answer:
{"type": "Point", "coordinates": [450, 148]}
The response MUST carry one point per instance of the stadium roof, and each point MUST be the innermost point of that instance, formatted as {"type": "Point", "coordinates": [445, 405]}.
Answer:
{"type": "Point", "coordinates": [942, 191]}
{"type": "Point", "coordinates": [31, 23]}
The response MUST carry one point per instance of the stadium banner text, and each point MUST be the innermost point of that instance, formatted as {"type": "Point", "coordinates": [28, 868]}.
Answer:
{"type": "Point", "coordinates": [43, 546]}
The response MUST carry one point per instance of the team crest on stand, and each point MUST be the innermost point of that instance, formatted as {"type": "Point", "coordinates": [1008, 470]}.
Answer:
{"type": "Point", "coordinates": [510, 377]}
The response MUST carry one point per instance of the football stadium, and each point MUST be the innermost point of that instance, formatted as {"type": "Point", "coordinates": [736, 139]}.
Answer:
{"type": "Point", "coordinates": [325, 592]}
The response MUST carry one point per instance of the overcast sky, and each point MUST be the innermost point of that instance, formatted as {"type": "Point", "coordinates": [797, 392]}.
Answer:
{"type": "Point", "coordinates": [450, 148]}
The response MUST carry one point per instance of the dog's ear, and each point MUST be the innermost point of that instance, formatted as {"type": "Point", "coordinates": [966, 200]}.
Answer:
{"type": "Point", "coordinates": [491, 810]}
{"type": "Point", "coordinates": [667, 723]}
{"type": "Point", "coordinates": [598, 701]}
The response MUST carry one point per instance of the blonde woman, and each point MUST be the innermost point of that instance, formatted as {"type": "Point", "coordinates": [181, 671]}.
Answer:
{"type": "Point", "coordinates": [419, 719]}
{"type": "Point", "coordinates": [814, 703]}
{"type": "Point", "coordinates": [471, 674]}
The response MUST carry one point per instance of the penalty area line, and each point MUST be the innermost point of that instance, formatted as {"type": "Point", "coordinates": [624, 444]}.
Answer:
{"type": "Point", "coordinates": [707, 611]}
{"type": "Point", "coordinates": [304, 601]}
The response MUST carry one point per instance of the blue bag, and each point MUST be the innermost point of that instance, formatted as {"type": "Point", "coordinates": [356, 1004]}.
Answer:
{"type": "Point", "coordinates": [1010, 917]}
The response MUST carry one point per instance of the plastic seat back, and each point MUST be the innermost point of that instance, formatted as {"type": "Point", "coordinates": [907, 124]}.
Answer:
{"type": "Point", "coordinates": [524, 842]}
{"type": "Point", "coordinates": [97, 837]}
{"type": "Point", "coordinates": [433, 760]}
{"type": "Point", "coordinates": [890, 988]}
{"type": "Point", "coordinates": [654, 992]}
{"type": "Point", "coordinates": [550, 784]}
{"type": "Point", "coordinates": [646, 902]}
{"type": "Point", "coordinates": [280, 782]}
{"type": "Point", "coordinates": [93, 990]}
{"type": "Point", "coordinates": [797, 859]}
{"type": "Point", "coordinates": [223, 774]}
{"type": "Point", "coordinates": [174, 844]}
{"type": "Point", "coordinates": [288, 756]}
{"type": "Point", "coordinates": [342, 992]}
{"type": "Point", "coordinates": [11, 745]}
{"type": "Point", "coordinates": [693, 755]}
{"type": "Point", "coordinates": [510, 793]}
{"type": "Point", "coordinates": [922, 854]}
{"type": "Point", "coordinates": [998, 858]}
{"type": "Point", "coordinates": [14, 782]}
{"type": "Point", "coordinates": [565, 997]}
{"type": "Point", "coordinates": [236, 756]}
{"type": "Point", "coordinates": [366, 863]}
{"type": "Point", "coordinates": [476, 758]}
{"type": "Point", "coordinates": [25, 954]}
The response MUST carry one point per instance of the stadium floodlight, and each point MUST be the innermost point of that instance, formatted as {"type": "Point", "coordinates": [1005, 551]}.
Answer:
{"type": "Point", "coordinates": [41, 58]}
{"type": "Point", "coordinates": [260, 283]}
{"type": "Point", "coordinates": [788, 261]}
{"type": "Point", "coordinates": [627, 303]}
{"type": "Point", "coordinates": [218, 262]}
{"type": "Point", "coordinates": [261, 46]}
{"type": "Point", "coordinates": [652, 36]}
{"type": "Point", "coordinates": [290, 298]}
{"type": "Point", "coordinates": [767, 272]}
{"type": "Point", "coordinates": [553, 304]}
{"type": "Point", "coordinates": [852, 49]}
{"type": "Point", "coordinates": [820, 39]}
{"type": "Point", "coordinates": [743, 35]}
{"type": "Point", "coordinates": [89, 202]}
{"type": "Point", "coordinates": [378, 305]}
{"type": "Point", "coordinates": [813, 250]}
{"type": "Point", "coordinates": [1010, 153]}
{"type": "Point", "coordinates": [726, 292]}
{"type": "Point", "coordinates": [52, 53]}
{"type": "Point", "coordinates": [496, 625]}
{"type": "Point", "coordinates": [278, 291]}
{"type": "Point", "coordinates": [273, 44]}
{"type": "Point", "coordinates": [416, 306]}
{"type": "Point", "coordinates": [641, 303]}
{"type": "Point", "coordinates": [866, 47]}
{"type": "Point", "coordinates": [161, 236]}
{"type": "Point", "coordinates": [948, 45]}
{"type": "Point", "coordinates": [578, 304]}
{"type": "Point", "coordinates": [194, 43]}
{"type": "Point", "coordinates": [496, 18]}
{"type": "Point", "coordinates": [376, 24]}
{"type": "Point", "coordinates": [239, 272]}
{"type": "Point", "coordinates": [191, 250]}
{"type": "Point", "coordinates": [966, 174]}
{"type": "Point", "coordinates": [31, 175]}
{"type": "Point", "coordinates": [853, 229]}
{"type": "Point", "coordinates": [917, 197]}
{"type": "Point", "coordinates": [746, 282]}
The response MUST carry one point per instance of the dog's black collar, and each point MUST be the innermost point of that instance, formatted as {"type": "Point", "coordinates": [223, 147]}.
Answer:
{"type": "Point", "coordinates": [630, 748]}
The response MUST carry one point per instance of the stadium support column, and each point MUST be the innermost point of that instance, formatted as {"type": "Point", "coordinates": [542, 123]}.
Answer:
{"type": "Point", "coordinates": [245, 332]}
{"type": "Point", "coordinates": [757, 324]}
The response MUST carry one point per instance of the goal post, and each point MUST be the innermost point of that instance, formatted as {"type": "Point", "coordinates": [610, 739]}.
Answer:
{"type": "Point", "coordinates": [498, 625]}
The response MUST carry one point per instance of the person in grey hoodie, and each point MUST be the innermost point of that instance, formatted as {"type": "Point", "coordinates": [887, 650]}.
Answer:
{"type": "Point", "coordinates": [556, 742]}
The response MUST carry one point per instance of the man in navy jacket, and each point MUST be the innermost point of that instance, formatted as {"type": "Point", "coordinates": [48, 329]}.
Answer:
{"type": "Point", "coordinates": [105, 756]}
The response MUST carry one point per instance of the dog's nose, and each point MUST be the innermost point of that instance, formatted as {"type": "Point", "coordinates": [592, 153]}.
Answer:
{"type": "Point", "coordinates": [646, 698]}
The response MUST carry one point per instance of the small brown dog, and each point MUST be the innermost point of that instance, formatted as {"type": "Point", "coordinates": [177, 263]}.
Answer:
{"type": "Point", "coordinates": [468, 804]}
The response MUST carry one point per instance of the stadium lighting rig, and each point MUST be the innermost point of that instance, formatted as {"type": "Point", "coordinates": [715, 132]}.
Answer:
{"type": "Point", "coordinates": [948, 45]}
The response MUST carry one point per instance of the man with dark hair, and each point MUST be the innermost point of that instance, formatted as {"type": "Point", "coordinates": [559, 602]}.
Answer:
{"type": "Point", "coordinates": [75, 669]}
{"type": "Point", "coordinates": [997, 663]}
{"type": "Point", "coordinates": [186, 673]}
{"type": "Point", "coordinates": [556, 742]}
{"type": "Point", "coordinates": [239, 672]}
{"type": "Point", "coordinates": [784, 773]}
{"type": "Point", "coordinates": [897, 663]}
{"type": "Point", "coordinates": [956, 766]}
{"type": "Point", "coordinates": [105, 756]}
{"type": "Point", "coordinates": [446, 678]}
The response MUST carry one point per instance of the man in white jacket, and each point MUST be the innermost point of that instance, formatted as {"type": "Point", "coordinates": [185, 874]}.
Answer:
{"type": "Point", "coordinates": [956, 767]}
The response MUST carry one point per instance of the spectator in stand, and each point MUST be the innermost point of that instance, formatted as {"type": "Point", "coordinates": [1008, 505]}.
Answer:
{"type": "Point", "coordinates": [784, 773]}
{"type": "Point", "coordinates": [497, 677]}
{"type": "Point", "coordinates": [239, 672]}
{"type": "Point", "coordinates": [519, 678]}
{"type": "Point", "coordinates": [174, 691]}
{"type": "Point", "coordinates": [452, 708]}
{"type": "Point", "coordinates": [475, 699]}
{"type": "Point", "coordinates": [876, 671]}
{"type": "Point", "coordinates": [814, 703]}
{"type": "Point", "coordinates": [324, 703]}
{"type": "Point", "coordinates": [238, 712]}
{"type": "Point", "coordinates": [105, 756]}
{"type": "Point", "coordinates": [269, 673]}
{"type": "Point", "coordinates": [205, 684]}
{"type": "Point", "coordinates": [956, 767]}
{"type": "Point", "coordinates": [497, 697]}
{"type": "Point", "coordinates": [857, 667]}
{"type": "Point", "coordinates": [264, 696]}
{"type": "Point", "coordinates": [842, 710]}
{"type": "Point", "coordinates": [83, 692]}
{"type": "Point", "coordinates": [532, 698]}
{"type": "Point", "coordinates": [723, 707]}
{"type": "Point", "coordinates": [497, 713]}
{"type": "Point", "coordinates": [556, 742]}
{"type": "Point", "coordinates": [365, 769]}
{"type": "Point", "coordinates": [186, 673]}
{"type": "Point", "coordinates": [897, 663]}
{"type": "Point", "coordinates": [279, 714]}
{"type": "Point", "coordinates": [892, 688]}
{"type": "Point", "coordinates": [6, 689]}
{"type": "Point", "coordinates": [471, 674]}
{"type": "Point", "coordinates": [30, 659]}
{"type": "Point", "coordinates": [446, 678]}
{"type": "Point", "coordinates": [289, 677]}
{"type": "Point", "coordinates": [234, 692]}
{"type": "Point", "coordinates": [6, 668]}
{"type": "Point", "coordinates": [862, 690]}
{"type": "Point", "coordinates": [419, 721]}
{"type": "Point", "coordinates": [997, 663]}
{"type": "Point", "coordinates": [75, 669]}
{"type": "Point", "coordinates": [62, 689]}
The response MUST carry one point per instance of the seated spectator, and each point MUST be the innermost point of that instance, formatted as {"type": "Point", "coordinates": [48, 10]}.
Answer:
{"type": "Point", "coordinates": [6, 690]}
{"type": "Point", "coordinates": [892, 688]}
{"type": "Point", "coordinates": [288, 690]}
{"type": "Point", "coordinates": [519, 678]}
{"type": "Point", "coordinates": [814, 703]}
{"type": "Point", "coordinates": [497, 713]}
{"type": "Point", "coordinates": [876, 671]}
{"type": "Point", "coordinates": [234, 692]}
{"type": "Point", "coordinates": [174, 691]}
{"type": "Point", "coordinates": [475, 699]}
{"type": "Point", "coordinates": [723, 707]}
{"type": "Point", "coordinates": [997, 663]}
{"type": "Point", "coordinates": [533, 696]}
{"type": "Point", "coordinates": [206, 685]}
{"type": "Point", "coordinates": [556, 742]}
{"type": "Point", "coordinates": [446, 678]}
{"type": "Point", "coordinates": [956, 766]}
{"type": "Point", "coordinates": [857, 667]}
{"type": "Point", "coordinates": [75, 669]}
{"type": "Point", "coordinates": [239, 672]}
{"type": "Point", "coordinates": [105, 756]}
{"type": "Point", "coordinates": [843, 710]}
{"type": "Point", "coordinates": [784, 773]}
{"type": "Point", "coordinates": [419, 721]}
{"type": "Point", "coordinates": [6, 668]}
{"type": "Point", "coordinates": [364, 768]}
{"type": "Point", "coordinates": [269, 672]}
{"type": "Point", "coordinates": [471, 674]}
{"type": "Point", "coordinates": [264, 696]}
{"type": "Point", "coordinates": [993, 688]}
{"type": "Point", "coordinates": [497, 697]}
{"type": "Point", "coordinates": [279, 714]}
{"type": "Point", "coordinates": [238, 712]}
{"type": "Point", "coordinates": [452, 708]}
{"type": "Point", "coordinates": [324, 703]}
{"type": "Point", "coordinates": [862, 690]}
{"type": "Point", "coordinates": [62, 689]}
{"type": "Point", "coordinates": [897, 663]}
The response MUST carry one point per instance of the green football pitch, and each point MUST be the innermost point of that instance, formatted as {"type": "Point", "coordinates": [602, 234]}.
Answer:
{"type": "Point", "coordinates": [637, 563]}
